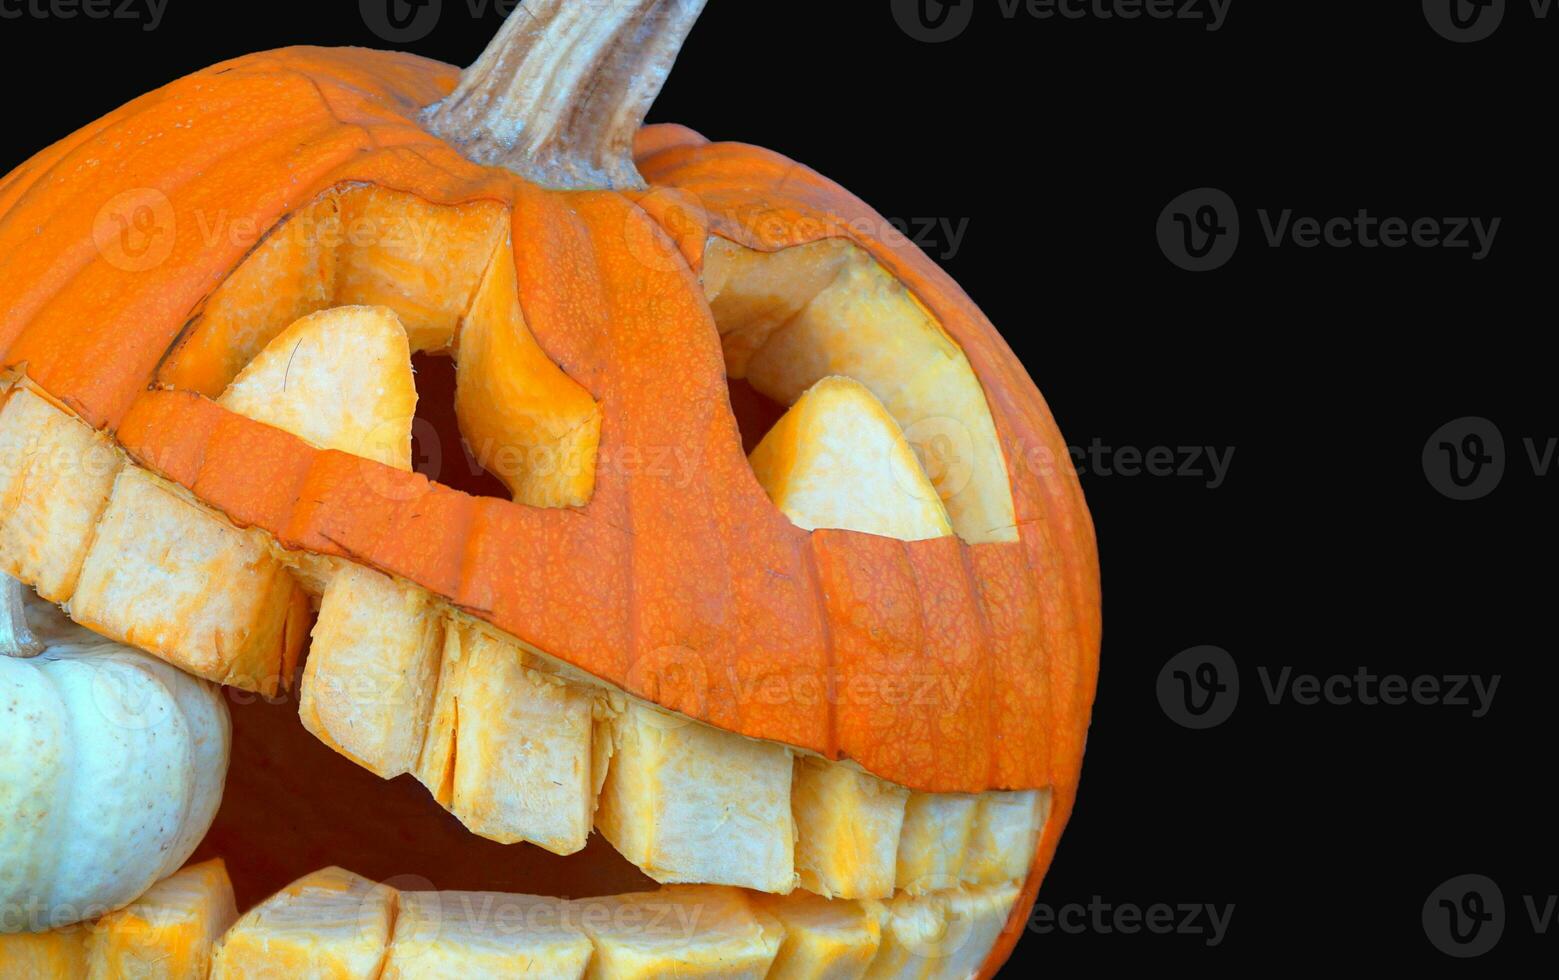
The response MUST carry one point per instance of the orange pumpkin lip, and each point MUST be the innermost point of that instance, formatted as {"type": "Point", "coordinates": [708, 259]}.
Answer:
{"type": "Point", "coordinates": [609, 586]}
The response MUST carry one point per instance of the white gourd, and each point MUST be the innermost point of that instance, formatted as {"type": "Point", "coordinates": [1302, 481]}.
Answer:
{"type": "Point", "coordinates": [111, 767]}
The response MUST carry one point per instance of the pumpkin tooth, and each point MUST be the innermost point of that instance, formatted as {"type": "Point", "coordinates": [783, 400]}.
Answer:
{"type": "Point", "coordinates": [690, 803]}
{"type": "Point", "coordinates": [510, 749]}
{"type": "Point", "coordinates": [460, 935]}
{"type": "Point", "coordinates": [330, 923]}
{"type": "Point", "coordinates": [168, 933]}
{"type": "Point", "coordinates": [58, 953]}
{"type": "Point", "coordinates": [338, 379]}
{"type": "Point", "coordinates": [824, 938]}
{"type": "Point", "coordinates": [837, 459]}
{"type": "Point", "coordinates": [975, 918]}
{"type": "Point", "coordinates": [56, 473]}
{"type": "Point", "coordinates": [337, 923]}
{"type": "Point", "coordinates": [168, 576]}
{"type": "Point", "coordinates": [935, 840]}
{"type": "Point", "coordinates": [912, 927]}
{"type": "Point", "coordinates": [1004, 835]}
{"type": "Point", "coordinates": [941, 936]}
{"type": "Point", "coordinates": [697, 931]}
{"type": "Point", "coordinates": [368, 684]}
{"type": "Point", "coordinates": [864, 324]}
{"type": "Point", "coordinates": [847, 829]}
{"type": "Point", "coordinates": [436, 763]}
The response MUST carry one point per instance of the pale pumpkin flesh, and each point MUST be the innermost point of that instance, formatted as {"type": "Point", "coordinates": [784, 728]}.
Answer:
{"type": "Point", "coordinates": [207, 597]}
{"type": "Point", "coordinates": [822, 937]}
{"type": "Point", "coordinates": [330, 924]}
{"type": "Point", "coordinates": [792, 318]}
{"type": "Point", "coordinates": [56, 474]}
{"type": "Point", "coordinates": [518, 746]}
{"type": "Point", "coordinates": [461, 935]}
{"type": "Point", "coordinates": [334, 923]}
{"type": "Point", "coordinates": [169, 932]}
{"type": "Point", "coordinates": [340, 379]}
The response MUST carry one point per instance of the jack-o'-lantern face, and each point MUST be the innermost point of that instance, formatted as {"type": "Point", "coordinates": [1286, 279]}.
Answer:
{"type": "Point", "coordinates": [772, 570]}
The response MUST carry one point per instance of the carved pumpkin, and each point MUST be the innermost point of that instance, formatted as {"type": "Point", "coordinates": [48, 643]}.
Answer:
{"type": "Point", "coordinates": [834, 696]}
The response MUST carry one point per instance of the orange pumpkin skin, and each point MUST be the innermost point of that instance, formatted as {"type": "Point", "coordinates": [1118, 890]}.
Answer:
{"type": "Point", "coordinates": [694, 596]}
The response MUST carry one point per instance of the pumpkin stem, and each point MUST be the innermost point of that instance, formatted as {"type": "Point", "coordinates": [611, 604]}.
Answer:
{"type": "Point", "coordinates": [16, 640]}
{"type": "Point", "coordinates": [560, 93]}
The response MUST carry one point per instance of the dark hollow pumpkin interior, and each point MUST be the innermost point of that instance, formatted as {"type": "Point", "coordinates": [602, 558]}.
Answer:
{"type": "Point", "coordinates": [293, 806]}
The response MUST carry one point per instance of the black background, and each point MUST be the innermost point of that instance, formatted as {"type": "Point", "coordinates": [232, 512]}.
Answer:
{"type": "Point", "coordinates": [1325, 370]}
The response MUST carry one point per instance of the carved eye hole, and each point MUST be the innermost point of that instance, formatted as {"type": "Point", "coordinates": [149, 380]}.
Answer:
{"type": "Point", "coordinates": [860, 370]}
{"type": "Point", "coordinates": [502, 419]}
